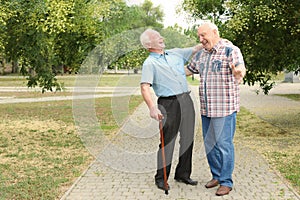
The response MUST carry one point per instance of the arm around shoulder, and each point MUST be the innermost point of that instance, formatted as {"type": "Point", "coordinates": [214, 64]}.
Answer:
{"type": "Point", "coordinates": [197, 48]}
{"type": "Point", "coordinates": [187, 71]}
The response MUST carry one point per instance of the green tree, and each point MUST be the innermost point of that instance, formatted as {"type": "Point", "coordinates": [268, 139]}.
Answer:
{"type": "Point", "coordinates": [137, 19]}
{"type": "Point", "coordinates": [204, 9]}
{"type": "Point", "coordinates": [153, 14]}
{"type": "Point", "coordinates": [175, 39]}
{"type": "Point", "coordinates": [40, 35]}
{"type": "Point", "coordinates": [32, 31]}
{"type": "Point", "coordinates": [267, 32]}
{"type": "Point", "coordinates": [4, 16]}
{"type": "Point", "coordinates": [74, 44]}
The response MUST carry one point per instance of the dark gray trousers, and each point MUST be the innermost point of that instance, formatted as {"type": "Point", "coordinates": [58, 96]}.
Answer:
{"type": "Point", "coordinates": [179, 116]}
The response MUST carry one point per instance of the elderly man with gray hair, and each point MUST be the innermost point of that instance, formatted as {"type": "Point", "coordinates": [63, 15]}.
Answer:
{"type": "Point", "coordinates": [164, 71]}
{"type": "Point", "coordinates": [221, 68]}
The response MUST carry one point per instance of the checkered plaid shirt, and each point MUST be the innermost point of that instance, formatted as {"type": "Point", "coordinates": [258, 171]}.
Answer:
{"type": "Point", "coordinates": [218, 90]}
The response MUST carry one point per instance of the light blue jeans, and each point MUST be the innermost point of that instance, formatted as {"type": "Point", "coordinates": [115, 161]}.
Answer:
{"type": "Point", "coordinates": [218, 133]}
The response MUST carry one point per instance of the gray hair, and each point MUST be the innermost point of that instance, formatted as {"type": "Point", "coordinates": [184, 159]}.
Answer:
{"type": "Point", "coordinates": [145, 37]}
{"type": "Point", "coordinates": [211, 26]}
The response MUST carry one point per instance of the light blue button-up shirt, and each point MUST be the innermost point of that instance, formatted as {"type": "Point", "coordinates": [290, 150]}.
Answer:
{"type": "Point", "coordinates": [165, 72]}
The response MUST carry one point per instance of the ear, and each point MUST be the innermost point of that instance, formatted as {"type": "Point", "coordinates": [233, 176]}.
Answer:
{"type": "Point", "coordinates": [148, 45]}
{"type": "Point", "coordinates": [215, 32]}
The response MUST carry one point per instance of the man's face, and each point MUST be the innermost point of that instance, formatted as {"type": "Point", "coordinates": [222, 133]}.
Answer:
{"type": "Point", "coordinates": [157, 41]}
{"type": "Point", "coordinates": [206, 36]}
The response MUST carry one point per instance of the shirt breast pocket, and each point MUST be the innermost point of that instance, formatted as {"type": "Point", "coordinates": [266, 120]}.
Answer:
{"type": "Point", "coordinates": [221, 71]}
{"type": "Point", "coordinates": [216, 66]}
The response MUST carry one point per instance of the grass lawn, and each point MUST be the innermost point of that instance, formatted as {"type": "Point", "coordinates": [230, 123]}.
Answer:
{"type": "Point", "coordinates": [295, 97]}
{"type": "Point", "coordinates": [42, 154]}
{"type": "Point", "coordinates": [280, 144]}
{"type": "Point", "coordinates": [41, 151]}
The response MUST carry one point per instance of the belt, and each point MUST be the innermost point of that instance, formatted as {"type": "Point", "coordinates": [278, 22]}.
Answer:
{"type": "Point", "coordinates": [176, 96]}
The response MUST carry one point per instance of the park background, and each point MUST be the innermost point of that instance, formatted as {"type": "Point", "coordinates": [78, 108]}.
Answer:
{"type": "Point", "coordinates": [44, 46]}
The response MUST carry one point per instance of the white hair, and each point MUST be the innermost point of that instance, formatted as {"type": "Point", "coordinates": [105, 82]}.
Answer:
{"type": "Point", "coordinates": [211, 26]}
{"type": "Point", "coordinates": [145, 37]}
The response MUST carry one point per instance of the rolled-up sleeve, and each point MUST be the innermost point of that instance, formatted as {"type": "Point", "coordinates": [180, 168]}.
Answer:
{"type": "Point", "coordinates": [193, 66]}
{"type": "Point", "coordinates": [237, 57]}
{"type": "Point", "coordinates": [147, 73]}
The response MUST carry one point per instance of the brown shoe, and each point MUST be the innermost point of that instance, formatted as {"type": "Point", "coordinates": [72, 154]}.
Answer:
{"type": "Point", "coordinates": [212, 183]}
{"type": "Point", "coordinates": [223, 190]}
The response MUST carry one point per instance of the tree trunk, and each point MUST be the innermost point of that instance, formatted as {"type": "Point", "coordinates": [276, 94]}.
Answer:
{"type": "Point", "coordinates": [15, 67]}
{"type": "Point", "coordinates": [2, 66]}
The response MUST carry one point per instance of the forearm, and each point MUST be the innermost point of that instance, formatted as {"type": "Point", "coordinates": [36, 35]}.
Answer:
{"type": "Point", "coordinates": [187, 71]}
{"type": "Point", "coordinates": [146, 94]}
{"type": "Point", "coordinates": [242, 69]}
{"type": "Point", "coordinates": [239, 72]}
{"type": "Point", "coordinates": [154, 111]}
{"type": "Point", "coordinates": [197, 48]}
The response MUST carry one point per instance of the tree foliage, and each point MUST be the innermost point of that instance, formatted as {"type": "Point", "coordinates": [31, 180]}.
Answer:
{"type": "Point", "coordinates": [204, 9]}
{"type": "Point", "coordinates": [39, 32]}
{"type": "Point", "coordinates": [175, 39]}
{"type": "Point", "coordinates": [267, 32]}
{"type": "Point", "coordinates": [137, 19]}
{"type": "Point", "coordinates": [41, 36]}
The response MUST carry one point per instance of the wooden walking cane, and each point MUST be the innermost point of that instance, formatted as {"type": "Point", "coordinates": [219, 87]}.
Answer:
{"type": "Point", "coordinates": [163, 156]}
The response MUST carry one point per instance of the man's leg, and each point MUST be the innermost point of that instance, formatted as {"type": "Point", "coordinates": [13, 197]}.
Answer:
{"type": "Point", "coordinates": [187, 128]}
{"type": "Point", "coordinates": [212, 151]}
{"type": "Point", "coordinates": [168, 108]}
{"type": "Point", "coordinates": [226, 148]}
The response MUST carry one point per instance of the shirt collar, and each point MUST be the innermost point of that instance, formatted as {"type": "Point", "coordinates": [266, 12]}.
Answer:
{"type": "Point", "coordinates": [215, 48]}
{"type": "Point", "coordinates": [158, 55]}
{"type": "Point", "coordinates": [218, 46]}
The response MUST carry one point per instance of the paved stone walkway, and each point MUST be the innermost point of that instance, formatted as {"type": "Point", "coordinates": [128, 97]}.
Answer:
{"type": "Point", "coordinates": [125, 168]}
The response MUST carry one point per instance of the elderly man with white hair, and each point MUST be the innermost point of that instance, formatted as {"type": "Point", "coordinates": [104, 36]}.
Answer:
{"type": "Point", "coordinates": [164, 71]}
{"type": "Point", "coordinates": [221, 68]}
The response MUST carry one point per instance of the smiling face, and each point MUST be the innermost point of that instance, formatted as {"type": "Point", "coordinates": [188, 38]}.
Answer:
{"type": "Point", "coordinates": [153, 41]}
{"type": "Point", "coordinates": [157, 42]}
{"type": "Point", "coordinates": [208, 36]}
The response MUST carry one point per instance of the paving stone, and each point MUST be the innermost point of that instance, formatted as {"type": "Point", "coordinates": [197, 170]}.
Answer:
{"type": "Point", "coordinates": [126, 169]}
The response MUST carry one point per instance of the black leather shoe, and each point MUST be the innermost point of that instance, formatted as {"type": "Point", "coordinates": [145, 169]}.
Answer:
{"type": "Point", "coordinates": [161, 185]}
{"type": "Point", "coordinates": [188, 181]}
